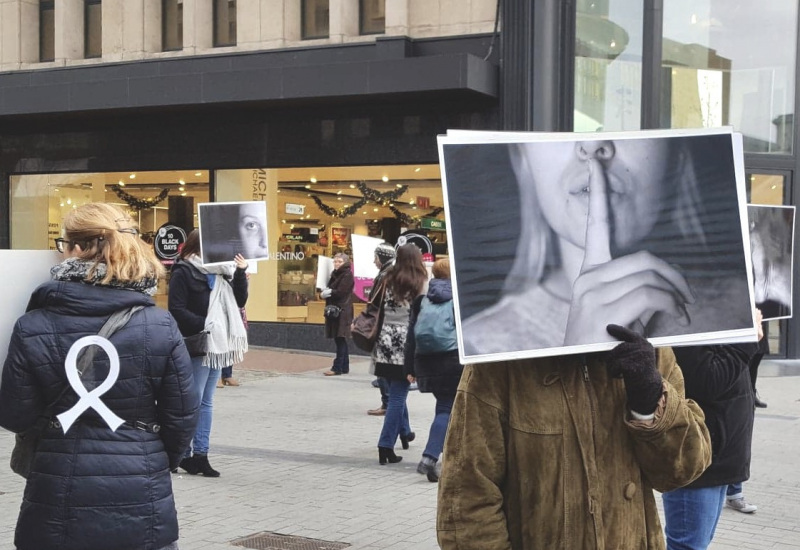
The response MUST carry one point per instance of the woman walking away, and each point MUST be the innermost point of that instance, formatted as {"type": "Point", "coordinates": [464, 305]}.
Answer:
{"type": "Point", "coordinates": [402, 285]}
{"type": "Point", "coordinates": [208, 298]}
{"type": "Point", "coordinates": [432, 358]}
{"type": "Point", "coordinates": [95, 483]}
{"type": "Point", "coordinates": [339, 301]}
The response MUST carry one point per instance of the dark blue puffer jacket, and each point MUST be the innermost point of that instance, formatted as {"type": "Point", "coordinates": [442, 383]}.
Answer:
{"type": "Point", "coordinates": [95, 489]}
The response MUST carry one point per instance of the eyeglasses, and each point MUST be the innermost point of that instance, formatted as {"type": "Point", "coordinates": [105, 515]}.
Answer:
{"type": "Point", "coordinates": [83, 244]}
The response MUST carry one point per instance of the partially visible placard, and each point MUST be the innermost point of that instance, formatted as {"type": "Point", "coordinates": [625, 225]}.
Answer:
{"type": "Point", "coordinates": [364, 268]}
{"type": "Point", "coordinates": [324, 270]}
{"type": "Point", "coordinates": [21, 271]}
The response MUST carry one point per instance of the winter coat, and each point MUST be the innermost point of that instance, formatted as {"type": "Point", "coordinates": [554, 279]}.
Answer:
{"type": "Point", "coordinates": [389, 351]}
{"type": "Point", "coordinates": [437, 373]}
{"type": "Point", "coordinates": [189, 294]}
{"type": "Point", "coordinates": [718, 378]}
{"type": "Point", "coordinates": [542, 453]}
{"type": "Point", "coordinates": [93, 488]}
{"type": "Point", "coordinates": [341, 284]}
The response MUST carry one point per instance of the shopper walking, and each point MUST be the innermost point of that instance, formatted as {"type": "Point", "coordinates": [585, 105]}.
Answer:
{"type": "Point", "coordinates": [339, 312]}
{"type": "Point", "coordinates": [89, 483]}
{"type": "Point", "coordinates": [385, 255]}
{"type": "Point", "coordinates": [432, 358]}
{"type": "Point", "coordinates": [405, 281]}
{"type": "Point", "coordinates": [208, 298]}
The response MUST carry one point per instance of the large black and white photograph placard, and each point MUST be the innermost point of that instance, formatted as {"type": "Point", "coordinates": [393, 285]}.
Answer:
{"type": "Point", "coordinates": [771, 246]}
{"type": "Point", "coordinates": [554, 236]}
{"type": "Point", "coordinates": [230, 228]}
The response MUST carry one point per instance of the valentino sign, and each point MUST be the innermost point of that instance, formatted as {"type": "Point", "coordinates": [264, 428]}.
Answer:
{"type": "Point", "coordinates": [168, 241]}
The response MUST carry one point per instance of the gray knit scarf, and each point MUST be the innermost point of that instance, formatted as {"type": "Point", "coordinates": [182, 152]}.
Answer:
{"type": "Point", "coordinates": [227, 338]}
{"type": "Point", "coordinates": [77, 270]}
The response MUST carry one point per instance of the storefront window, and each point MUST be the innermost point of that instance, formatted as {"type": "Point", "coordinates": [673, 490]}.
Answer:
{"type": "Point", "coordinates": [47, 31]}
{"type": "Point", "coordinates": [608, 65]}
{"type": "Point", "coordinates": [372, 16]}
{"type": "Point", "coordinates": [315, 212]}
{"type": "Point", "coordinates": [224, 22]}
{"type": "Point", "coordinates": [731, 62]}
{"type": "Point", "coordinates": [93, 31]}
{"type": "Point", "coordinates": [39, 203]}
{"type": "Point", "coordinates": [172, 25]}
{"type": "Point", "coordinates": [315, 19]}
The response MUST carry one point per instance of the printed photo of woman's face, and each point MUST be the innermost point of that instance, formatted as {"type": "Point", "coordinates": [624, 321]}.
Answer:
{"type": "Point", "coordinates": [253, 231]}
{"type": "Point", "coordinates": [629, 173]}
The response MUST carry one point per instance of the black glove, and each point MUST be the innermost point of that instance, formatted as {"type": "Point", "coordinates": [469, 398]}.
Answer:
{"type": "Point", "coordinates": [635, 361]}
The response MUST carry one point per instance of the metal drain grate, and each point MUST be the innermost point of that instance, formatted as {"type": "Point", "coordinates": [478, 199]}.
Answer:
{"type": "Point", "coordinates": [276, 541]}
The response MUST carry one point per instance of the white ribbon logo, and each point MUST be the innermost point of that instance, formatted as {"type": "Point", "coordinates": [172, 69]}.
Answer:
{"type": "Point", "coordinates": [91, 399]}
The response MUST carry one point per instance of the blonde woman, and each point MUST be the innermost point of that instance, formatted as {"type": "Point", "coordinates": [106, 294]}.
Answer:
{"type": "Point", "coordinates": [82, 481]}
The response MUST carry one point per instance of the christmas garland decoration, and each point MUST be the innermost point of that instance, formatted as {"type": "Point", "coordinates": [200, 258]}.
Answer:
{"type": "Point", "coordinates": [384, 199]}
{"type": "Point", "coordinates": [137, 203]}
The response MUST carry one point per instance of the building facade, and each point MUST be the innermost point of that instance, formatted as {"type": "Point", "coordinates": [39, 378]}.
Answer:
{"type": "Point", "coordinates": [329, 110]}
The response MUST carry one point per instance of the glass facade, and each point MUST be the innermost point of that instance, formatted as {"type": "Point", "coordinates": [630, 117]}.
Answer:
{"type": "Point", "coordinates": [731, 62]}
{"type": "Point", "coordinates": [608, 65]}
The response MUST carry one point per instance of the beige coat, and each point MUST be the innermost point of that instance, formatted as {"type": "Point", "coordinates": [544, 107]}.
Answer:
{"type": "Point", "coordinates": [542, 454]}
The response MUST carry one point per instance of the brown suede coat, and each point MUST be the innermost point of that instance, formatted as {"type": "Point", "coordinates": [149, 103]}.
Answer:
{"type": "Point", "coordinates": [542, 454]}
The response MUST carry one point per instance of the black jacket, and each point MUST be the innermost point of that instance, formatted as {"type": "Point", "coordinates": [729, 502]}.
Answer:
{"type": "Point", "coordinates": [189, 294]}
{"type": "Point", "coordinates": [341, 284]}
{"type": "Point", "coordinates": [718, 379]}
{"type": "Point", "coordinates": [93, 488]}
{"type": "Point", "coordinates": [435, 372]}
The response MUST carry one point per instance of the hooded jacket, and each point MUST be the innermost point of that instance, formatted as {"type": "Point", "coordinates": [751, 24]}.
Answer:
{"type": "Point", "coordinates": [542, 453]}
{"type": "Point", "coordinates": [92, 484]}
{"type": "Point", "coordinates": [437, 373]}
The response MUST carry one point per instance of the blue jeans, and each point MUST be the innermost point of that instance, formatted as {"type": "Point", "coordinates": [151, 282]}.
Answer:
{"type": "Point", "coordinates": [205, 382]}
{"type": "Point", "coordinates": [395, 422]}
{"type": "Point", "coordinates": [342, 361]}
{"type": "Point", "coordinates": [734, 491]}
{"type": "Point", "coordinates": [444, 404]}
{"type": "Point", "coordinates": [691, 516]}
{"type": "Point", "coordinates": [383, 385]}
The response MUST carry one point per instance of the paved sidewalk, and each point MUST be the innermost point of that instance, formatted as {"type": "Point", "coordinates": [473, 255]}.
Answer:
{"type": "Point", "coordinates": [298, 456]}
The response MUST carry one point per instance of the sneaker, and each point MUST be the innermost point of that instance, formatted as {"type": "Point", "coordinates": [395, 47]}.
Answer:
{"type": "Point", "coordinates": [741, 505]}
{"type": "Point", "coordinates": [376, 412]}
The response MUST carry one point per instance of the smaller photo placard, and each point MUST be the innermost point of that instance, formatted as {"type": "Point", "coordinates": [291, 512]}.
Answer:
{"type": "Point", "coordinates": [771, 247]}
{"type": "Point", "coordinates": [231, 228]}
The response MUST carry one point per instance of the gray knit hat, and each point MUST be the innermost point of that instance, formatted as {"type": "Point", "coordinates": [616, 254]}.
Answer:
{"type": "Point", "coordinates": [385, 253]}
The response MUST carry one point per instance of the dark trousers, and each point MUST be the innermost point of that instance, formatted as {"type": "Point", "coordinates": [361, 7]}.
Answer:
{"type": "Point", "coordinates": [342, 361]}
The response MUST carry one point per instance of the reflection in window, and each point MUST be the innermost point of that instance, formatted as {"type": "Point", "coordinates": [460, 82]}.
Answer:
{"type": "Point", "coordinates": [372, 16]}
{"type": "Point", "coordinates": [731, 62]}
{"type": "Point", "coordinates": [171, 25]}
{"type": "Point", "coordinates": [47, 31]}
{"type": "Point", "coordinates": [93, 30]}
{"type": "Point", "coordinates": [315, 19]}
{"type": "Point", "coordinates": [608, 65]}
{"type": "Point", "coordinates": [224, 22]}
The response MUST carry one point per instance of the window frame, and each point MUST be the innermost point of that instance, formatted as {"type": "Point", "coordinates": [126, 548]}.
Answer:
{"type": "Point", "coordinates": [86, 9]}
{"type": "Point", "coordinates": [361, 19]}
{"type": "Point", "coordinates": [215, 24]}
{"type": "Point", "coordinates": [164, 4]}
{"type": "Point", "coordinates": [303, 35]}
{"type": "Point", "coordinates": [45, 6]}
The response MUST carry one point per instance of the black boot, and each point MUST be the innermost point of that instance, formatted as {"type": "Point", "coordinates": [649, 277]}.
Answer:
{"type": "Point", "coordinates": [386, 454]}
{"type": "Point", "coordinates": [405, 439]}
{"type": "Point", "coordinates": [203, 467]}
{"type": "Point", "coordinates": [189, 464]}
{"type": "Point", "coordinates": [760, 404]}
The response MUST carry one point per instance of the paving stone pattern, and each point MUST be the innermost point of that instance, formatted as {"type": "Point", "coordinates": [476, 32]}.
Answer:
{"type": "Point", "coordinates": [298, 456]}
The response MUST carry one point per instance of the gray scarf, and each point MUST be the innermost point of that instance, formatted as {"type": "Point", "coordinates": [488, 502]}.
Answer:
{"type": "Point", "coordinates": [227, 337]}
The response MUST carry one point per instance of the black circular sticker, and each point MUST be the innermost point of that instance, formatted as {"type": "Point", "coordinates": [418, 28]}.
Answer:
{"type": "Point", "coordinates": [168, 241]}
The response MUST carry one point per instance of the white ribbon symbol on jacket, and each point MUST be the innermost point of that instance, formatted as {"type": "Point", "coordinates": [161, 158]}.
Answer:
{"type": "Point", "coordinates": [91, 399]}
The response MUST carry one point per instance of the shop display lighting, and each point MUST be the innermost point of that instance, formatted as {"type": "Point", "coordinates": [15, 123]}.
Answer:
{"type": "Point", "coordinates": [384, 179]}
{"type": "Point", "coordinates": [313, 180]}
{"type": "Point", "coordinates": [132, 176]}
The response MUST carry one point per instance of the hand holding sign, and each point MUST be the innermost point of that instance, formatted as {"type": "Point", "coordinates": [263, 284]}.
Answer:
{"type": "Point", "coordinates": [90, 399]}
{"type": "Point", "coordinates": [628, 290]}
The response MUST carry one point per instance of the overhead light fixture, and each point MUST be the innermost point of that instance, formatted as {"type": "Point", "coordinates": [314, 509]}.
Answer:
{"type": "Point", "coordinates": [398, 185]}
{"type": "Point", "coordinates": [417, 169]}
{"type": "Point", "coordinates": [339, 192]}
{"type": "Point", "coordinates": [308, 187]}
{"type": "Point", "coordinates": [132, 176]}
{"type": "Point", "coordinates": [364, 212]}
{"type": "Point", "coordinates": [183, 194]}
{"type": "Point", "coordinates": [374, 209]}
{"type": "Point", "coordinates": [198, 174]}
{"type": "Point", "coordinates": [313, 180]}
{"type": "Point", "coordinates": [308, 216]}
{"type": "Point", "coordinates": [121, 183]}
{"type": "Point", "coordinates": [69, 201]}
{"type": "Point", "coordinates": [338, 198]}
{"type": "Point", "coordinates": [181, 188]}
{"type": "Point", "coordinates": [385, 179]}
{"type": "Point", "coordinates": [352, 186]}
{"type": "Point", "coordinates": [182, 182]}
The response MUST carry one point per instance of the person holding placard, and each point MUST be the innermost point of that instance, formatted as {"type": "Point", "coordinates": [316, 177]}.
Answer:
{"type": "Point", "coordinates": [120, 423]}
{"type": "Point", "coordinates": [338, 297]}
{"type": "Point", "coordinates": [208, 299]}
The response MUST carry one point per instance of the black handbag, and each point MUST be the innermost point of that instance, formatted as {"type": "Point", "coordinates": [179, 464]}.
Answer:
{"type": "Point", "coordinates": [197, 344]}
{"type": "Point", "coordinates": [332, 312]}
{"type": "Point", "coordinates": [25, 443]}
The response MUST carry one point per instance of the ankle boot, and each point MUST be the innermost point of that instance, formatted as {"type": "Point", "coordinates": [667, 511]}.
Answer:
{"type": "Point", "coordinates": [385, 454]}
{"type": "Point", "coordinates": [405, 439]}
{"type": "Point", "coordinates": [189, 464]}
{"type": "Point", "coordinates": [203, 467]}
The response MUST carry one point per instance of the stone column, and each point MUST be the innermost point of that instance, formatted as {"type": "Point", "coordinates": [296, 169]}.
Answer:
{"type": "Point", "coordinates": [248, 23]}
{"type": "Point", "coordinates": [344, 20]}
{"type": "Point", "coordinates": [275, 21]}
{"type": "Point", "coordinates": [69, 29]}
{"type": "Point", "coordinates": [397, 18]}
{"type": "Point", "coordinates": [197, 25]}
{"type": "Point", "coordinates": [151, 41]}
{"type": "Point", "coordinates": [113, 28]}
